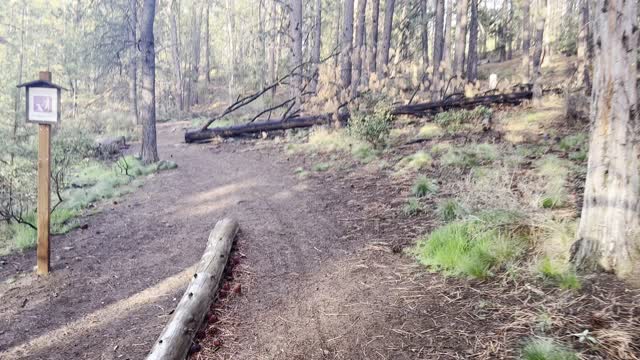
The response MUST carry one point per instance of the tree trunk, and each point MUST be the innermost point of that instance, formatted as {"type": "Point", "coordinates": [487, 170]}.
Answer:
{"type": "Point", "coordinates": [424, 33]}
{"type": "Point", "coordinates": [537, 54]}
{"type": "Point", "coordinates": [373, 41]}
{"type": "Point", "coordinates": [461, 37]}
{"type": "Point", "coordinates": [472, 60]}
{"type": "Point", "coordinates": [584, 77]}
{"type": "Point", "coordinates": [526, 41]}
{"type": "Point", "coordinates": [231, 47]}
{"type": "Point", "coordinates": [149, 152]}
{"type": "Point", "coordinates": [359, 47]}
{"type": "Point", "coordinates": [175, 54]}
{"type": "Point", "coordinates": [446, 47]}
{"type": "Point", "coordinates": [438, 37]}
{"type": "Point", "coordinates": [176, 338]}
{"type": "Point", "coordinates": [386, 37]}
{"type": "Point", "coordinates": [317, 45]}
{"type": "Point", "coordinates": [346, 45]}
{"type": "Point", "coordinates": [608, 234]}
{"type": "Point", "coordinates": [207, 51]}
{"type": "Point", "coordinates": [295, 31]}
{"type": "Point", "coordinates": [133, 64]}
{"type": "Point", "coordinates": [195, 42]}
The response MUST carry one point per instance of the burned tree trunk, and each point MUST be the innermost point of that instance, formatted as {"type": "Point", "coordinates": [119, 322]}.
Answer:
{"type": "Point", "coordinates": [359, 48]}
{"type": "Point", "coordinates": [346, 45]}
{"type": "Point", "coordinates": [149, 151]}
{"type": "Point", "coordinates": [386, 37]}
{"type": "Point", "coordinates": [373, 41]}
{"type": "Point", "coordinates": [472, 57]}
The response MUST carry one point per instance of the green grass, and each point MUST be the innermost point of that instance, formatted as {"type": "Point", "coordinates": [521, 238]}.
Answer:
{"type": "Point", "coordinates": [573, 142]}
{"type": "Point", "coordinates": [440, 148]}
{"type": "Point", "coordinates": [560, 275]}
{"type": "Point", "coordinates": [320, 167]}
{"type": "Point", "coordinates": [322, 140]}
{"type": "Point", "coordinates": [546, 349]}
{"type": "Point", "coordinates": [412, 207]}
{"type": "Point", "coordinates": [417, 161]}
{"type": "Point", "coordinates": [423, 187]}
{"type": "Point", "coordinates": [450, 210]}
{"type": "Point", "coordinates": [470, 155]}
{"type": "Point", "coordinates": [555, 174]}
{"type": "Point", "coordinates": [91, 182]}
{"type": "Point", "coordinates": [475, 247]}
{"type": "Point", "coordinates": [430, 131]}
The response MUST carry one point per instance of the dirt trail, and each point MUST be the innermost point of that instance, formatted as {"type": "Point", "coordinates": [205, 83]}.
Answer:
{"type": "Point", "coordinates": [114, 284]}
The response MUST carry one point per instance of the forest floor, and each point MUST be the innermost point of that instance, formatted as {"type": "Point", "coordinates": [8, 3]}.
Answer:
{"type": "Point", "coordinates": [321, 261]}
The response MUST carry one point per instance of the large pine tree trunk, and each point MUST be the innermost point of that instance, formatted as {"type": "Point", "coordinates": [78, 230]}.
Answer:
{"type": "Point", "coordinates": [315, 53]}
{"type": "Point", "coordinates": [438, 42]}
{"type": "Point", "coordinates": [133, 65]}
{"type": "Point", "coordinates": [461, 37]}
{"type": "Point", "coordinates": [346, 45]}
{"type": "Point", "coordinates": [149, 152]}
{"type": "Point", "coordinates": [231, 47]}
{"type": "Point", "coordinates": [526, 41]}
{"type": "Point", "coordinates": [295, 31]}
{"type": "Point", "coordinates": [386, 37]}
{"type": "Point", "coordinates": [608, 235]}
{"type": "Point", "coordinates": [472, 60]}
{"type": "Point", "coordinates": [207, 50]}
{"type": "Point", "coordinates": [373, 41]}
{"type": "Point", "coordinates": [446, 47]}
{"type": "Point", "coordinates": [195, 43]}
{"type": "Point", "coordinates": [359, 47]}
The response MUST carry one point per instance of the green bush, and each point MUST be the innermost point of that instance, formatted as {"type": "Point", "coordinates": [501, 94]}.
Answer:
{"type": "Point", "coordinates": [546, 349]}
{"type": "Point", "coordinates": [457, 120]}
{"type": "Point", "coordinates": [374, 127]}
{"type": "Point", "coordinates": [475, 247]}
{"type": "Point", "coordinates": [424, 187]}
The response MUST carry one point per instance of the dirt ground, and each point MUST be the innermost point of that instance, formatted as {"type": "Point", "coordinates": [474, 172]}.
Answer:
{"type": "Point", "coordinates": [322, 270]}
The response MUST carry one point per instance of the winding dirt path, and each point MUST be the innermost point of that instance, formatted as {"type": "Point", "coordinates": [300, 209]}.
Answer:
{"type": "Point", "coordinates": [114, 284]}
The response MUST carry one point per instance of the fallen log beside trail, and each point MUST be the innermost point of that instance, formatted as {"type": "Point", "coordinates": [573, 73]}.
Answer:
{"type": "Point", "coordinates": [176, 338]}
{"type": "Point", "coordinates": [292, 123]}
{"type": "Point", "coordinates": [421, 109]}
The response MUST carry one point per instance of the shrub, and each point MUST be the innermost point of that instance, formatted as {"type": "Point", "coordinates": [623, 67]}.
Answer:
{"type": "Point", "coordinates": [546, 349]}
{"type": "Point", "coordinates": [474, 247]}
{"type": "Point", "coordinates": [424, 187]}
{"type": "Point", "coordinates": [374, 127]}
{"type": "Point", "coordinates": [457, 120]}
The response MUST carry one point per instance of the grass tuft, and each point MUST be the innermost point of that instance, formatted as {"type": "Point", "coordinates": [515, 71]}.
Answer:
{"type": "Point", "coordinates": [546, 349]}
{"type": "Point", "coordinates": [320, 167]}
{"type": "Point", "coordinates": [430, 131]}
{"type": "Point", "coordinates": [450, 210]}
{"type": "Point", "coordinates": [560, 275]}
{"type": "Point", "coordinates": [470, 155]}
{"type": "Point", "coordinates": [414, 162]}
{"type": "Point", "coordinates": [412, 207]}
{"type": "Point", "coordinates": [423, 187]}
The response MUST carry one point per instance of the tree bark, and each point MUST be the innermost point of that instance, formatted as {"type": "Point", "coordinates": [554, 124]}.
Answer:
{"type": "Point", "coordinates": [446, 47]}
{"type": "Point", "coordinates": [149, 152]}
{"type": "Point", "coordinates": [373, 41]}
{"type": "Point", "coordinates": [608, 234]}
{"type": "Point", "coordinates": [537, 54]}
{"type": "Point", "coordinates": [526, 41]}
{"type": "Point", "coordinates": [133, 64]}
{"type": "Point", "coordinates": [359, 48]}
{"type": "Point", "coordinates": [231, 47]}
{"type": "Point", "coordinates": [386, 38]}
{"type": "Point", "coordinates": [461, 37]}
{"type": "Point", "coordinates": [438, 42]}
{"type": "Point", "coordinates": [346, 45]}
{"type": "Point", "coordinates": [207, 39]}
{"type": "Point", "coordinates": [295, 31]}
{"type": "Point", "coordinates": [424, 33]}
{"type": "Point", "coordinates": [195, 42]}
{"type": "Point", "coordinates": [584, 76]}
{"type": "Point", "coordinates": [176, 338]}
{"type": "Point", "coordinates": [175, 54]}
{"type": "Point", "coordinates": [472, 58]}
{"type": "Point", "coordinates": [317, 45]}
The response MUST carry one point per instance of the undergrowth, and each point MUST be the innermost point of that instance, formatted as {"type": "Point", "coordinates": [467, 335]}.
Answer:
{"type": "Point", "coordinates": [546, 349]}
{"type": "Point", "coordinates": [458, 120]}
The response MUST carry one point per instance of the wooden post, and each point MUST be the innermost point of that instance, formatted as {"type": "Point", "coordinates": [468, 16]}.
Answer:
{"type": "Point", "coordinates": [44, 195]}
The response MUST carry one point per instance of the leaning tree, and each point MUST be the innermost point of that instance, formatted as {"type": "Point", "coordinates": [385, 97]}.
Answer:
{"type": "Point", "coordinates": [609, 230]}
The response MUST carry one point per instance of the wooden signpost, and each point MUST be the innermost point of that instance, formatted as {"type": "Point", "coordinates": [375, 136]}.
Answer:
{"type": "Point", "coordinates": [43, 108]}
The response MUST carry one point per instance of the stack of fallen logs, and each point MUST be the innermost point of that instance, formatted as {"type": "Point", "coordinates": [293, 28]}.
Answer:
{"type": "Point", "coordinates": [421, 109]}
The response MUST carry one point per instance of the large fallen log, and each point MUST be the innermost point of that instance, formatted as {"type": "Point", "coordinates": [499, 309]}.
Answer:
{"type": "Point", "coordinates": [421, 109]}
{"type": "Point", "coordinates": [293, 123]}
{"type": "Point", "coordinates": [176, 338]}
